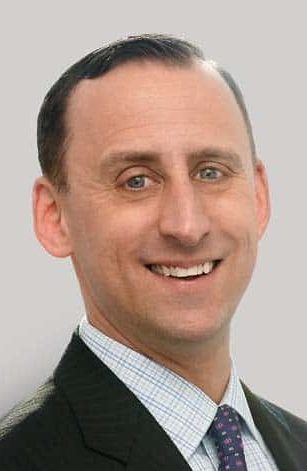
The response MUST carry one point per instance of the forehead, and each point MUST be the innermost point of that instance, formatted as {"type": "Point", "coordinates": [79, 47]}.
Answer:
{"type": "Point", "coordinates": [157, 103]}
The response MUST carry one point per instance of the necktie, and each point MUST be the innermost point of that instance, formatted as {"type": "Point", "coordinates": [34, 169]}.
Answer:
{"type": "Point", "coordinates": [226, 432]}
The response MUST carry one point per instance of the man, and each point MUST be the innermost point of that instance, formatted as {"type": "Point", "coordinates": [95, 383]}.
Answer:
{"type": "Point", "coordinates": [152, 185]}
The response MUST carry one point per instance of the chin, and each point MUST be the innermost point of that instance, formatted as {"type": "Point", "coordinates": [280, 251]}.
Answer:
{"type": "Point", "coordinates": [194, 330]}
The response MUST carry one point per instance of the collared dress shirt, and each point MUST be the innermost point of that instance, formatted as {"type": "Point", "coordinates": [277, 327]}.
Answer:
{"type": "Point", "coordinates": [181, 408]}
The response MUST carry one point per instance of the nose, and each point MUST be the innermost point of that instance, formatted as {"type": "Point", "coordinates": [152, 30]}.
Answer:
{"type": "Point", "coordinates": [183, 216]}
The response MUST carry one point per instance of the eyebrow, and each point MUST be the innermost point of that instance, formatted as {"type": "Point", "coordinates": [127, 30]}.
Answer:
{"type": "Point", "coordinates": [117, 159]}
{"type": "Point", "coordinates": [225, 156]}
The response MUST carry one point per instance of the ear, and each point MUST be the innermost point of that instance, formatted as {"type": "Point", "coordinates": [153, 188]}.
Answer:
{"type": "Point", "coordinates": [49, 222]}
{"type": "Point", "coordinates": [263, 198]}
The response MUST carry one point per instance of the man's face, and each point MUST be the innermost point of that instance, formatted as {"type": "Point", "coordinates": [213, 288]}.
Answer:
{"type": "Point", "coordinates": [161, 181]}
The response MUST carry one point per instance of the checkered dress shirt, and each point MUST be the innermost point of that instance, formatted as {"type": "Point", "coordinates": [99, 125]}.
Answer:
{"type": "Point", "coordinates": [182, 409]}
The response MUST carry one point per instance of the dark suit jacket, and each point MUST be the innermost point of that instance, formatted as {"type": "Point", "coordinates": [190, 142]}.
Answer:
{"type": "Point", "coordinates": [84, 418]}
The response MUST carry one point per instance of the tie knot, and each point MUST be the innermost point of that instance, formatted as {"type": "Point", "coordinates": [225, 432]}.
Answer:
{"type": "Point", "coordinates": [226, 432]}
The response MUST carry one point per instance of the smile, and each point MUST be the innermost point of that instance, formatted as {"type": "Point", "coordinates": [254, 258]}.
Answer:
{"type": "Point", "coordinates": [186, 272]}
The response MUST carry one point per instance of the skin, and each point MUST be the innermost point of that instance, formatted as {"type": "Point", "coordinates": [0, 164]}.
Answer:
{"type": "Point", "coordinates": [160, 172]}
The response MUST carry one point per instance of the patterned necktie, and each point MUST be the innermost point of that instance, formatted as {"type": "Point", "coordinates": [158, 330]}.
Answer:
{"type": "Point", "coordinates": [226, 432]}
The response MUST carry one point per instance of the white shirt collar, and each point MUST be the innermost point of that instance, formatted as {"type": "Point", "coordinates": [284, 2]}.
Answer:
{"type": "Point", "coordinates": [181, 408]}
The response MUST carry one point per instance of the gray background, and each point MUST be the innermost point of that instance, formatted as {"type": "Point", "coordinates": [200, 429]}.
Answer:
{"type": "Point", "coordinates": [264, 46]}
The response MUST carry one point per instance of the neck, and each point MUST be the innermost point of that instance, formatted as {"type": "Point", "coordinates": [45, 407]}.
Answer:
{"type": "Point", "coordinates": [206, 364]}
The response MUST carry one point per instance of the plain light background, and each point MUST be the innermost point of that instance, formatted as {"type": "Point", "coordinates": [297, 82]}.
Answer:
{"type": "Point", "coordinates": [263, 44]}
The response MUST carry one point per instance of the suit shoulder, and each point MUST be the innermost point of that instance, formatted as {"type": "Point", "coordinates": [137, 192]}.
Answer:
{"type": "Point", "coordinates": [30, 424]}
{"type": "Point", "coordinates": [296, 426]}
{"type": "Point", "coordinates": [291, 419]}
{"type": "Point", "coordinates": [25, 413]}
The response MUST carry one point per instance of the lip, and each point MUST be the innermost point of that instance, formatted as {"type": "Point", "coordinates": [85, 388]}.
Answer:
{"type": "Point", "coordinates": [181, 285]}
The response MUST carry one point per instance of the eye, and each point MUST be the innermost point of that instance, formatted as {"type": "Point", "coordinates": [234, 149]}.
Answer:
{"type": "Point", "coordinates": [137, 182]}
{"type": "Point", "coordinates": [210, 173]}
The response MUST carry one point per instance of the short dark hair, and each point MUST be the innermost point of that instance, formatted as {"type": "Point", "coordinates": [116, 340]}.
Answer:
{"type": "Point", "coordinates": [51, 123]}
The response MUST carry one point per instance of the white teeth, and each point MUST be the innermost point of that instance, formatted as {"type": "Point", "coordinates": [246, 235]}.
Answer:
{"type": "Point", "coordinates": [173, 271]}
{"type": "Point", "coordinates": [208, 267]}
{"type": "Point", "coordinates": [193, 271]}
{"type": "Point", "coordinates": [165, 270]}
{"type": "Point", "coordinates": [157, 269]}
{"type": "Point", "coordinates": [179, 272]}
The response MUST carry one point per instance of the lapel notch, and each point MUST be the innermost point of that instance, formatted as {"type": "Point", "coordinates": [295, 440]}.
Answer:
{"type": "Point", "coordinates": [106, 411]}
{"type": "Point", "coordinates": [112, 420]}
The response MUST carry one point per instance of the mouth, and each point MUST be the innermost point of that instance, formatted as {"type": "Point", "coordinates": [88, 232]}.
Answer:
{"type": "Point", "coordinates": [185, 273]}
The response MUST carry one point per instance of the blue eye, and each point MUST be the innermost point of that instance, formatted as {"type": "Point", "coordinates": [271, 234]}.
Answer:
{"type": "Point", "coordinates": [210, 173]}
{"type": "Point", "coordinates": [136, 182]}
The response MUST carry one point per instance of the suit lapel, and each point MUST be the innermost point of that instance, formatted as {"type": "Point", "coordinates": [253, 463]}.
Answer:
{"type": "Point", "coordinates": [115, 424]}
{"type": "Point", "coordinates": [288, 452]}
{"type": "Point", "coordinates": [112, 420]}
{"type": "Point", "coordinates": [155, 448]}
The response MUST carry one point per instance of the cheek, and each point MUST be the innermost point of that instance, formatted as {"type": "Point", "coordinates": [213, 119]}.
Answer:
{"type": "Point", "coordinates": [237, 212]}
{"type": "Point", "coordinates": [106, 234]}
{"type": "Point", "coordinates": [237, 224]}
